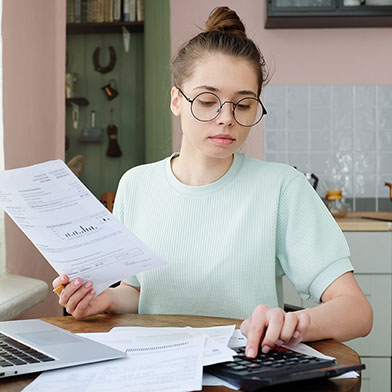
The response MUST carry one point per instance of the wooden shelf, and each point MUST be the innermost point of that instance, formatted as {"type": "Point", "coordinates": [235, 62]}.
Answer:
{"type": "Point", "coordinates": [96, 28]}
{"type": "Point", "coordinates": [80, 101]}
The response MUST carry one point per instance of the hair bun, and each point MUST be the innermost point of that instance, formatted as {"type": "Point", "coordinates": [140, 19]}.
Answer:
{"type": "Point", "coordinates": [224, 20]}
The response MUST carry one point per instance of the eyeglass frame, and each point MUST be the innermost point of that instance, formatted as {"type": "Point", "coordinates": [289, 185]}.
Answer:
{"type": "Point", "coordinates": [264, 112]}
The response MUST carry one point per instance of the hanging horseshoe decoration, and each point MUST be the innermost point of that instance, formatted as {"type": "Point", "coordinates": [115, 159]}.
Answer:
{"type": "Point", "coordinates": [111, 64]}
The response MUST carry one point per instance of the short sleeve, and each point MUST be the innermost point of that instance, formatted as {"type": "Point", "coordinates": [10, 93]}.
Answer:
{"type": "Point", "coordinates": [310, 246]}
{"type": "Point", "coordinates": [132, 280]}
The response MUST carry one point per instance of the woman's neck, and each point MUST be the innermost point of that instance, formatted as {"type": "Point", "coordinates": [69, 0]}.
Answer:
{"type": "Point", "coordinates": [198, 170]}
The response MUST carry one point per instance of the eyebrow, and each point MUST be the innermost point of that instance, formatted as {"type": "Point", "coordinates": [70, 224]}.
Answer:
{"type": "Point", "coordinates": [215, 90]}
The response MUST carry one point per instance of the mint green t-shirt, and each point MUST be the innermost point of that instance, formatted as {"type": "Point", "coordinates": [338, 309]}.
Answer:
{"type": "Point", "coordinates": [227, 244]}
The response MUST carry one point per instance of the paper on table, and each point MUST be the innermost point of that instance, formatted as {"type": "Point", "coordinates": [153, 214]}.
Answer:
{"type": "Point", "coordinates": [210, 380]}
{"type": "Point", "coordinates": [215, 350]}
{"type": "Point", "coordinates": [157, 366]}
{"type": "Point", "coordinates": [70, 227]}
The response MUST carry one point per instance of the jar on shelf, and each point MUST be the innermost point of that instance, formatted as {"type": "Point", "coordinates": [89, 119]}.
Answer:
{"type": "Point", "coordinates": [335, 203]}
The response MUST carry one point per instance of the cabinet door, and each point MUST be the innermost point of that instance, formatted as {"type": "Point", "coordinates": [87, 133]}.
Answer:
{"type": "Point", "coordinates": [371, 252]}
{"type": "Point", "coordinates": [377, 289]}
{"type": "Point", "coordinates": [377, 375]}
{"type": "Point", "coordinates": [290, 295]}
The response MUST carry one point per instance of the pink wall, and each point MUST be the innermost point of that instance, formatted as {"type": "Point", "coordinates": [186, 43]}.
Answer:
{"type": "Point", "coordinates": [297, 56]}
{"type": "Point", "coordinates": [34, 113]}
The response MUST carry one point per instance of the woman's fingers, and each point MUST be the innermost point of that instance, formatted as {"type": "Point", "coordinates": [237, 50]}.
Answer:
{"type": "Point", "coordinates": [255, 330]}
{"type": "Point", "coordinates": [269, 326]}
{"type": "Point", "coordinates": [263, 328]}
{"type": "Point", "coordinates": [82, 308]}
{"type": "Point", "coordinates": [73, 293]}
{"type": "Point", "coordinates": [289, 327]}
{"type": "Point", "coordinates": [275, 319]}
{"type": "Point", "coordinates": [60, 280]}
{"type": "Point", "coordinates": [302, 326]}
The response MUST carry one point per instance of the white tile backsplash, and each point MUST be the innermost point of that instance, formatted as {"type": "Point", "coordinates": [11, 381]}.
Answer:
{"type": "Point", "coordinates": [365, 162]}
{"type": "Point", "coordinates": [385, 119]}
{"type": "Point", "coordinates": [365, 139]}
{"type": "Point", "coordinates": [320, 141]}
{"type": "Point", "coordinates": [343, 139]}
{"type": "Point", "coordinates": [320, 96]}
{"type": "Point", "coordinates": [384, 96]}
{"type": "Point", "coordinates": [297, 117]}
{"type": "Point", "coordinates": [275, 140]}
{"type": "Point", "coordinates": [365, 185]}
{"type": "Point", "coordinates": [365, 96]}
{"type": "Point", "coordinates": [320, 118]}
{"type": "Point", "coordinates": [343, 134]}
{"type": "Point", "coordinates": [297, 140]}
{"type": "Point", "coordinates": [384, 140]}
{"type": "Point", "coordinates": [385, 162]}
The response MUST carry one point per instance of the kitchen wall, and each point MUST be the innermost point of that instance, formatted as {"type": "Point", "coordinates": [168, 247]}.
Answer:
{"type": "Point", "coordinates": [335, 69]}
{"type": "Point", "coordinates": [342, 133]}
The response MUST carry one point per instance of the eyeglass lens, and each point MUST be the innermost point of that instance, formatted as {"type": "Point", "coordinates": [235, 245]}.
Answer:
{"type": "Point", "coordinates": [247, 111]}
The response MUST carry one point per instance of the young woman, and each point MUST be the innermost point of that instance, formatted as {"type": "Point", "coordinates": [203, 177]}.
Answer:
{"type": "Point", "coordinates": [229, 226]}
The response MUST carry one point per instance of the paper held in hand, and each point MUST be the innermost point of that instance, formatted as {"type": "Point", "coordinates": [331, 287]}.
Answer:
{"type": "Point", "coordinates": [76, 234]}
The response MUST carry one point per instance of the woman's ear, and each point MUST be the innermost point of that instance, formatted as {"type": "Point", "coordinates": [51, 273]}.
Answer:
{"type": "Point", "coordinates": [175, 101]}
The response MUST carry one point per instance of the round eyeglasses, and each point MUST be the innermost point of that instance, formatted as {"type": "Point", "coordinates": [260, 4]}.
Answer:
{"type": "Point", "coordinates": [206, 106]}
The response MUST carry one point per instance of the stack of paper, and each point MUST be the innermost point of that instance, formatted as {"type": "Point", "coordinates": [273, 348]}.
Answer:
{"type": "Point", "coordinates": [159, 359]}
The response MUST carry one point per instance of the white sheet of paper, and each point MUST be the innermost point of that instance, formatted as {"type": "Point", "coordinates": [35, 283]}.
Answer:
{"type": "Point", "coordinates": [215, 350]}
{"type": "Point", "coordinates": [210, 380]}
{"type": "Point", "coordinates": [76, 234]}
{"type": "Point", "coordinates": [158, 365]}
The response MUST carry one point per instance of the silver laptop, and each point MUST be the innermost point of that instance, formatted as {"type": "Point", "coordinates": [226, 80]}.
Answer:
{"type": "Point", "coordinates": [28, 346]}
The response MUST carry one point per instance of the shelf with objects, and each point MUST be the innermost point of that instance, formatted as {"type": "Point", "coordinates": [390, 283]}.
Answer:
{"type": "Point", "coordinates": [104, 27]}
{"type": "Point", "coordinates": [105, 101]}
{"type": "Point", "coordinates": [328, 13]}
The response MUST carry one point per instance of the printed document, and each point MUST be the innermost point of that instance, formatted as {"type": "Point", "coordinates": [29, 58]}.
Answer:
{"type": "Point", "coordinates": [215, 349]}
{"type": "Point", "coordinates": [76, 234]}
{"type": "Point", "coordinates": [153, 364]}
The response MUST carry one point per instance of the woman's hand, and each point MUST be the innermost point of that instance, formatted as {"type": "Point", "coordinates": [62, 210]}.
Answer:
{"type": "Point", "coordinates": [79, 299]}
{"type": "Point", "coordinates": [269, 326]}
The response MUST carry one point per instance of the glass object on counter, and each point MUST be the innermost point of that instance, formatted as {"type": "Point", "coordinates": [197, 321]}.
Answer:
{"type": "Point", "coordinates": [335, 203]}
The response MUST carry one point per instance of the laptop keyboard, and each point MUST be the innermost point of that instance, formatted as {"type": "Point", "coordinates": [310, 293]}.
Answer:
{"type": "Point", "coordinates": [14, 353]}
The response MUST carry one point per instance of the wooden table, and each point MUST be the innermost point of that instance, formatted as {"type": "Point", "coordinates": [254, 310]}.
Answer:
{"type": "Point", "coordinates": [103, 323]}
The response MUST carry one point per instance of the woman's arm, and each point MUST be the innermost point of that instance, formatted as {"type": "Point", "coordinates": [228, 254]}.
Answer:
{"type": "Point", "coordinates": [117, 295]}
{"type": "Point", "coordinates": [344, 314]}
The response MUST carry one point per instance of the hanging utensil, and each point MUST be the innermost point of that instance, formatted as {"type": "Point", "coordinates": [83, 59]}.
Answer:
{"type": "Point", "coordinates": [390, 189]}
{"type": "Point", "coordinates": [114, 149]}
{"type": "Point", "coordinates": [92, 134]}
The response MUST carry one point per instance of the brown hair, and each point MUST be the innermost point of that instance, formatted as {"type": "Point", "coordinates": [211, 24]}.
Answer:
{"type": "Point", "coordinates": [224, 33]}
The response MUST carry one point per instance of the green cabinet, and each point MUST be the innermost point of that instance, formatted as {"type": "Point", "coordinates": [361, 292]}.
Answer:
{"type": "Point", "coordinates": [141, 111]}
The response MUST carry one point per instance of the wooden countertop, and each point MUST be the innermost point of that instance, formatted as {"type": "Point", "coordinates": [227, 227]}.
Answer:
{"type": "Point", "coordinates": [355, 221]}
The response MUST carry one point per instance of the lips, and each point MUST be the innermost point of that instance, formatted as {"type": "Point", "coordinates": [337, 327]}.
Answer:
{"type": "Point", "coordinates": [223, 140]}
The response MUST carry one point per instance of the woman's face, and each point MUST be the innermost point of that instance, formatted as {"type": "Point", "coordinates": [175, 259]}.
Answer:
{"type": "Point", "coordinates": [230, 79]}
